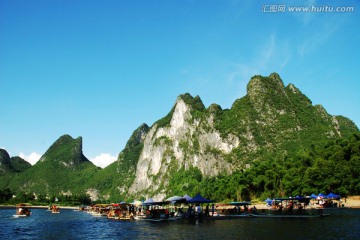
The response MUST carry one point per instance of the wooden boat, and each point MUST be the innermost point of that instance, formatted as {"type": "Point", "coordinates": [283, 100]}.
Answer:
{"type": "Point", "coordinates": [289, 215]}
{"type": "Point", "coordinates": [229, 216]}
{"type": "Point", "coordinates": [159, 215]}
{"type": "Point", "coordinates": [232, 210]}
{"type": "Point", "coordinates": [22, 210]}
{"type": "Point", "coordinates": [157, 219]}
{"type": "Point", "coordinates": [290, 208]}
{"type": "Point", "coordinates": [121, 211]}
{"type": "Point", "coordinates": [55, 209]}
{"type": "Point", "coordinates": [99, 210]}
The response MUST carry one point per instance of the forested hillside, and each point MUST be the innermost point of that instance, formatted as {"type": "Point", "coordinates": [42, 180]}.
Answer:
{"type": "Point", "coordinates": [271, 142]}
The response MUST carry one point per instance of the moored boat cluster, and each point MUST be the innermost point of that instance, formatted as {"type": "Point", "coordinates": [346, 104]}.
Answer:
{"type": "Point", "coordinates": [199, 208]}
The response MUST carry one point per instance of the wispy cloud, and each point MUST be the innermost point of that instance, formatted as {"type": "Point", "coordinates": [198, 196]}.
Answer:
{"type": "Point", "coordinates": [318, 37]}
{"type": "Point", "coordinates": [305, 18]}
{"type": "Point", "coordinates": [32, 158]}
{"type": "Point", "coordinates": [273, 55]}
{"type": "Point", "coordinates": [103, 160]}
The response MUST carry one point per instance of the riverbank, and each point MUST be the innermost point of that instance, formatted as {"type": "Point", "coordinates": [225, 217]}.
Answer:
{"type": "Point", "coordinates": [349, 202]}
{"type": "Point", "coordinates": [39, 207]}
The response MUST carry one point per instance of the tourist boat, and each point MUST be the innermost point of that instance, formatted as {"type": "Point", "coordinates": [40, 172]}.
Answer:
{"type": "Point", "coordinates": [55, 209]}
{"type": "Point", "coordinates": [22, 210]}
{"type": "Point", "coordinates": [231, 211]}
{"type": "Point", "coordinates": [289, 215]}
{"type": "Point", "coordinates": [121, 211]}
{"type": "Point", "coordinates": [99, 210]}
{"type": "Point", "coordinates": [156, 212]}
{"type": "Point", "coordinates": [290, 208]}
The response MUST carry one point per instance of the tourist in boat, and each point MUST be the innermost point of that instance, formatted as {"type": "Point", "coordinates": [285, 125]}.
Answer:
{"type": "Point", "coordinates": [254, 210]}
{"type": "Point", "coordinates": [207, 211]}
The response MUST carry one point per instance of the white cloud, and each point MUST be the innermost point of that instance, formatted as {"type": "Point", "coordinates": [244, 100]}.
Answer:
{"type": "Point", "coordinates": [321, 33]}
{"type": "Point", "coordinates": [32, 158]}
{"type": "Point", "coordinates": [103, 160]}
{"type": "Point", "coordinates": [272, 54]}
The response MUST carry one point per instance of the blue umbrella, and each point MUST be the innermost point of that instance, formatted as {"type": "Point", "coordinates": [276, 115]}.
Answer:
{"type": "Point", "coordinates": [199, 199]}
{"type": "Point", "coordinates": [187, 197]}
{"type": "Point", "coordinates": [333, 196]}
{"type": "Point", "coordinates": [313, 196]}
{"type": "Point", "coordinates": [268, 201]}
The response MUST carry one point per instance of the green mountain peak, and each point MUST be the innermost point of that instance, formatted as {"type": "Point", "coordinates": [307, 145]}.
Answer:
{"type": "Point", "coordinates": [194, 102]}
{"type": "Point", "coordinates": [5, 164]}
{"type": "Point", "coordinates": [66, 150]}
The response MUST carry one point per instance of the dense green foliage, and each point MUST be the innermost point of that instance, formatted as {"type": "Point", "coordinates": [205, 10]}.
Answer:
{"type": "Point", "coordinates": [280, 120]}
{"type": "Point", "coordinates": [61, 169]}
{"type": "Point", "coordinates": [19, 164]}
{"type": "Point", "coordinates": [122, 172]}
{"type": "Point", "coordinates": [6, 197]}
{"type": "Point", "coordinates": [274, 130]}
{"type": "Point", "coordinates": [321, 169]}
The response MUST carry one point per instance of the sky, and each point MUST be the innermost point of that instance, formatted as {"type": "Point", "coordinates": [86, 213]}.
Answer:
{"type": "Point", "coordinates": [100, 68]}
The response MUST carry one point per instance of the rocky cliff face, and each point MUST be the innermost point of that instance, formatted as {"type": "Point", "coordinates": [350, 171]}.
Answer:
{"type": "Point", "coordinates": [270, 120]}
{"type": "Point", "coordinates": [184, 142]}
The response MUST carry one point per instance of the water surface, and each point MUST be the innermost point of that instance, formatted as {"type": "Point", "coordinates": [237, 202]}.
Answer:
{"type": "Point", "coordinates": [69, 224]}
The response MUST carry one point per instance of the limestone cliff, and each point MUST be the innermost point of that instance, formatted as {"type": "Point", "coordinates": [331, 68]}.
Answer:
{"type": "Point", "coordinates": [271, 120]}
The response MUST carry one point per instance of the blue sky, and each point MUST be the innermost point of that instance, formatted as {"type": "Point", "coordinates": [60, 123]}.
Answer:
{"type": "Point", "coordinates": [99, 69]}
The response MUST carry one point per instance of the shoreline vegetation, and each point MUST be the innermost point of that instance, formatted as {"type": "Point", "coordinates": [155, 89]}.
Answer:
{"type": "Point", "coordinates": [349, 202]}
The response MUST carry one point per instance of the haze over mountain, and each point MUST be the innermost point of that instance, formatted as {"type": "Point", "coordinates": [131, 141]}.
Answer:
{"type": "Point", "coordinates": [272, 122]}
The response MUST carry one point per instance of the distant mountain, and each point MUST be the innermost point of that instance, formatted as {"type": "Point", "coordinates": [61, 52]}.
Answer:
{"type": "Point", "coordinates": [265, 143]}
{"type": "Point", "coordinates": [5, 164]}
{"type": "Point", "coordinates": [9, 167]}
{"type": "Point", "coordinates": [62, 169]}
{"type": "Point", "coordinates": [19, 164]}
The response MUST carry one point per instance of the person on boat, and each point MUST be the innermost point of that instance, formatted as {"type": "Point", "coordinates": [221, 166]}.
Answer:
{"type": "Point", "coordinates": [254, 209]}
{"type": "Point", "coordinates": [27, 212]}
{"type": "Point", "coordinates": [198, 209]}
{"type": "Point", "coordinates": [212, 209]}
{"type": "Point", "coordinates": [189, 211]}
{"type": "Point", "coordinates": [207, 211]}
{"type": "Point", "coordinates": [291, 207]}
{"type": "Point", "coordinates": [246, 209]}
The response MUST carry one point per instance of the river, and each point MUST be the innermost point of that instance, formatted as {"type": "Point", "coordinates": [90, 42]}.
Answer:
{"type": "Point", "coordinates": [69, 224]}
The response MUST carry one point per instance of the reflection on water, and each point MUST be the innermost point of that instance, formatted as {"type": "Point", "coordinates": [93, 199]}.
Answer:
{"type": "Point", "coordinates": [342, 224]}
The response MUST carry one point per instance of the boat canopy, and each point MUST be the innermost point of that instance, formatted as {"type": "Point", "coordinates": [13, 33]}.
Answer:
{"type": "Point", "coordinates": [199, 199]}
{"type": "Point", "coordinates": [176, 199]}
{"type": "Point", "coordinates": [240, 203]}
{"type": "Point", "coordinates": [23, 205]}
{"type": "Point", "coordinates": [332, 196]}
{"type": "Point", "coordinates": [313, 196]}
{"type": "Point", "coordinates": [137, 202]}
{"type": "Point", "coordinates": [268, 201]}
{"type": "Point", "coordinates": [151, 201]}
{"type": "Point", "coordinates": [187, 197]}
{"type": "Point", "coordinates": [320, 196]}
{"type": "Point", "coordinates": [297, 198]}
